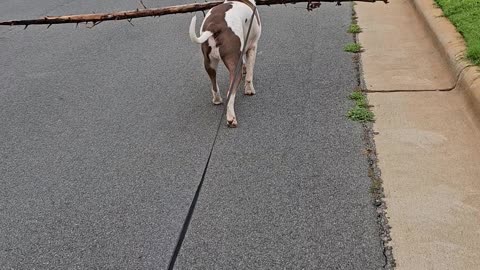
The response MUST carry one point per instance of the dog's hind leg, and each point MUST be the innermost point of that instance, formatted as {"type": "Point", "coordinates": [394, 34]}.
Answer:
{"type": "Point", "coordinates": [251, 55]}
{"type": "Point", "coordinates": [211, 65]}
{"type": "Point", "coordinates": [231, 63]}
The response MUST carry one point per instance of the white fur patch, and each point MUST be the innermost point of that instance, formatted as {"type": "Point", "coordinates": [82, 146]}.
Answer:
{"type": "Point", "coordinates": [235, 18]}
{"type": "Point", "coordinates": [215, 52]}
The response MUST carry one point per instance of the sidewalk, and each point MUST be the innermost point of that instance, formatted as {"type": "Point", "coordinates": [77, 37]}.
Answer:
{"type": "Point", "coordinates": [428, 143]}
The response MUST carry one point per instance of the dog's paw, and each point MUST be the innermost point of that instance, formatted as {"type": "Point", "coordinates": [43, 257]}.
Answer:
{"type": "Point", "coordinates": [217, 101]}
{"type": "Point", "coordinates": [249, 90]}
{"type": "Point", "coordinates": [232, 123]}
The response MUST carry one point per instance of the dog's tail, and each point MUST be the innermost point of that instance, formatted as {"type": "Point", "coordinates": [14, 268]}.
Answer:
{"type": "Point", "coordinates": [193, 36]}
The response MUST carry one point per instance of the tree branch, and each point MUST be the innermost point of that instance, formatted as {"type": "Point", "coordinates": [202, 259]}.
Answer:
{"type": "Point", "coordinates": [150, 12]}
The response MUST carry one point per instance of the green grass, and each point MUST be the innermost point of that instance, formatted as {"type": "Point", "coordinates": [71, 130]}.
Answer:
{"type": "Point", "coordinates": [354, 28]}
{"type": "Point", "coordinates": [360, 111]}
{"type": "Point", "coordinates": [353, 48]}
{"type": "Point", "coordinates": [465, 15]}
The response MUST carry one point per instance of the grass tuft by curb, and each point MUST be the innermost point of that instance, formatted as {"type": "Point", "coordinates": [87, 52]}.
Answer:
{"type": "Point", "coordinates": [353, 48]}
{"type": "Point", "coordinates": [354, 29]}
{"type": "Point", "coordinates": [465, 14]}
{"type": "Point", "coordinates": [360, 111]}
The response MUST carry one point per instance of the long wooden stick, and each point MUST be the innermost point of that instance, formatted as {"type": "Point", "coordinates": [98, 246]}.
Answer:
{"type": "Point", "coordinates": [149, 12]}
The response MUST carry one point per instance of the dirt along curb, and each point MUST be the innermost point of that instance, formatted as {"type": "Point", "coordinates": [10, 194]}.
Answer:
{"type": "Point", "coordinates": [452, 45]}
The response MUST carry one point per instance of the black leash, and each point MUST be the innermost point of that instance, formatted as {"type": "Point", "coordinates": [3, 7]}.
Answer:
{"type": "Point", "coordinates": [186, 223]}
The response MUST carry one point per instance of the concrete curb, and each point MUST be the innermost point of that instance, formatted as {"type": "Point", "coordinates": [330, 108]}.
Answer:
{"type": "Point", "coordinates": [453, 47]}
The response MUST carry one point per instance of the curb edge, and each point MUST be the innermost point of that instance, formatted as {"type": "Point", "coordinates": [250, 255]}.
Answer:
{"type": "Point", "coordinates": [453, 47]}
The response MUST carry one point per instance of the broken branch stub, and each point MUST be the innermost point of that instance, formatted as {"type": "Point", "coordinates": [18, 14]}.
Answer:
{"type": "Point", "coordinates": [153, 12]}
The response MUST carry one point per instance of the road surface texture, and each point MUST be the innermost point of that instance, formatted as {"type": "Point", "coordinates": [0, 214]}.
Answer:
{"type": "Point", "coordinates": [105, 133]}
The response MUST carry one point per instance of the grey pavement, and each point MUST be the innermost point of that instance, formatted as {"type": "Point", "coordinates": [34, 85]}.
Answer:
{"type": "Point", "coordinates": [105, 132]}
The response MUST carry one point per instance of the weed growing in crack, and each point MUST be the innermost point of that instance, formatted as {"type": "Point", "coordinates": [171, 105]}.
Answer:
{"type": "Point", "coordinates": [353, 48]}
{"type": "Point", "coordinates": [354, 29]}
{"type": "Point", "coordinates": [360, 111]}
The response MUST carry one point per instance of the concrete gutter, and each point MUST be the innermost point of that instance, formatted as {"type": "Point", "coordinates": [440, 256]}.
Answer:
{"type": "Point", "coordinates": [426, 140]}
{"type": "Point", "coordinates": [453, 47]}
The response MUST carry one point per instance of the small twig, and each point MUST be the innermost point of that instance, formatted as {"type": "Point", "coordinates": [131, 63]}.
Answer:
{"type": "Point", "coordinates": [94, 24]}
{"type": "Point", "coordinates": [311, 5]}
{"type": "Point", "coordinates": [203, 11]}
{"type": "Point", "coordinates": [143, 5]}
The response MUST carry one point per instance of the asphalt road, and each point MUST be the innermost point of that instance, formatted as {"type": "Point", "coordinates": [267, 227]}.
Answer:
{"type": "Point", "coordinates": [105, 132]}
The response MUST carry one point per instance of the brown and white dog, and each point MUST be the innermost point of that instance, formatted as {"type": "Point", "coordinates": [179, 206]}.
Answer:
{"type": "Point", "coordinates": [223, 34]}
